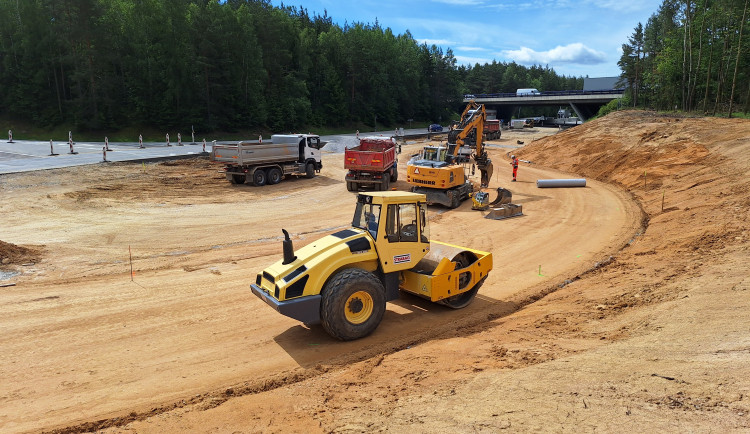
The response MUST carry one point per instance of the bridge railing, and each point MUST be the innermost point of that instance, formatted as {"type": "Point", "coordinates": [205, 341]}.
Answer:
{"type": "Point", "coordinates": [543, 94]}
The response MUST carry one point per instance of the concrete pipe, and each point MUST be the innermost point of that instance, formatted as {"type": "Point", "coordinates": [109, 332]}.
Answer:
{"type": "Point", "coordinates": [554, 183]}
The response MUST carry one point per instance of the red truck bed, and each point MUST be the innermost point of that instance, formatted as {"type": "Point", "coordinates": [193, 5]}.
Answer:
{"type": "Point", "coordinates": [372, 154]}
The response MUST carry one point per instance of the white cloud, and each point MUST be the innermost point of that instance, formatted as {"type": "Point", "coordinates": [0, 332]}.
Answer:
{"type": "Point", "coordinates": [437, 42]}
{"type": "Point", "coordinates": [472, 49]}
{"type": "Point", "coordinates": [461, 2]}
{"type": "Point", "coordinates": [576, 53]}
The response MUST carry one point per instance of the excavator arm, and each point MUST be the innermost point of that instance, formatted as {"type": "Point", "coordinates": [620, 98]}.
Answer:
{"type": "Point", "coordinates": [470, 132]}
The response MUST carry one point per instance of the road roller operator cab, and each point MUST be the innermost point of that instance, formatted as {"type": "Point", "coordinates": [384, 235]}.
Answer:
{"type": "Point", "coordinates": [344, 280]}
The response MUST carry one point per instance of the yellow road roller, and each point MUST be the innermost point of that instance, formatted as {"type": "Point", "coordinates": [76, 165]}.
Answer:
{"type": "Point", "coordinates": [342, 281]}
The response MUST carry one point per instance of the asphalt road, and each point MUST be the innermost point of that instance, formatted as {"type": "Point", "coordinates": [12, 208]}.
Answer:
{"type": "Point", "coordinates": [31, 155]}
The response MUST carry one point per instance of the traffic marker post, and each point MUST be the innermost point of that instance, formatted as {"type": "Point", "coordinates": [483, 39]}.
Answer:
{"type": "Point", "coordinates": [168, 140]}
{"type": "Point", "coordinates": [260, 139]}
{"type": "Point", "coordinates": [104, 155]}
{"type": "Point", "coordinates": [204, 145]}
{"type": "Point", "coordinates": [179, 139]}
{"type": "Point", "coordinates": [10, 136]}
{"type": "Point", "coordinates": [70, 143]}
{"type": "Point", "coordinates": [51, 149]}
{"type": "Point", "coordinates": [106, 143]}
{"type": "Point", "coordinates": [140, 141]}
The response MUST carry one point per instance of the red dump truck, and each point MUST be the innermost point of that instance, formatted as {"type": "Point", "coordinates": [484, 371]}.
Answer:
{"type": "Point", "coordinates": [492, 129]}
{"type": "Point", "coordinates": [371, 164]}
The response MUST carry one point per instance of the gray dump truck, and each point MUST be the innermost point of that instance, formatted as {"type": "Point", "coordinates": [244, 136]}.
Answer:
{"type": "Point", "coordinates": [260, 162]}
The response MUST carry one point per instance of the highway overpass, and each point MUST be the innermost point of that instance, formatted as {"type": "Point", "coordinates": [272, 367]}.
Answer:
{"type": "Point", "coordinates": [585, 103]}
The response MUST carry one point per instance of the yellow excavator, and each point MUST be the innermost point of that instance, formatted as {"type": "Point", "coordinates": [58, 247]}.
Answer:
{"type": "Point", "coordinates": [438, 172]}
{"type": "Point", "coordinates": [343, 280]}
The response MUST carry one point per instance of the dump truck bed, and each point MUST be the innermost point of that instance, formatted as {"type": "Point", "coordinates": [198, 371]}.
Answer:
{"type": "Point", "coordinates": [375, 155]}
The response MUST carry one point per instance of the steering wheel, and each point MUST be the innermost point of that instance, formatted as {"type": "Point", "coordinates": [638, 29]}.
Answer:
{"type": "Point", "coordinates": [409, 231]}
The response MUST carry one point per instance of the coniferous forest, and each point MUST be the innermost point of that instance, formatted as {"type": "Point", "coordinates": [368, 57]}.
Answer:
{"type": "Point", "coordinates": [692, 55]}
{"type": "Point", "coordinates": [244, 64]}
{"type": "Point", "coordinates": [227, 65]}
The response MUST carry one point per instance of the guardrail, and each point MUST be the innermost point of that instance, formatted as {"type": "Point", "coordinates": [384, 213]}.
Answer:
{"type": "Point", "coordinates": [543, 94]}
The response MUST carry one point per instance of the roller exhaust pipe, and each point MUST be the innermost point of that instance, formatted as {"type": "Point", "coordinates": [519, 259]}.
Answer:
{"type": "Point", "coordinates": [288, 248]}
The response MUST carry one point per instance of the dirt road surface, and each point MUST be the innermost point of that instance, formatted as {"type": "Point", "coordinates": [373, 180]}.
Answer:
{"type": "Point", "coordinates": [605, 310]}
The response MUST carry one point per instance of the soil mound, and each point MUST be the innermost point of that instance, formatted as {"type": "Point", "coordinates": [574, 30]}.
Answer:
{"type": "Point", "coordinates": [13, 254]}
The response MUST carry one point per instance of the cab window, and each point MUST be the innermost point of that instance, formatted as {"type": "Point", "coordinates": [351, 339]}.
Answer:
{"type": "Point", "coordinates": [402, 223]}
{"type": "Point", "coordinates": [367, 216]}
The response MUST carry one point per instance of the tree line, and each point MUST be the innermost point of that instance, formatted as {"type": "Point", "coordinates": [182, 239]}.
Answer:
{"type": "Point", "coordinates": [235, 64]}
{"type": "Point", "coordinates": [692, 55]}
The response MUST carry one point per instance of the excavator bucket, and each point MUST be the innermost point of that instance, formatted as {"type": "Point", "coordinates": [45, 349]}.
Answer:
{"type": "Point", "coordinates": [503, 196]}
{"type": "Point", "coordinates": [505, 211]}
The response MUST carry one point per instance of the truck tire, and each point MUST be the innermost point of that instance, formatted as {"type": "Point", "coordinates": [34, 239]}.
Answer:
{"type": "Point", "coordinates": [394, 174]}
{"type": "Point", "coordinates": [274, 175]}
{"type": "Point", "coordinates": [353, 304]}
{"type": "Point", "coordinates": [259, 178]}
{"type": "Point", "coordinates": [455, 198]}
{"type": "Point", "coordinates": [385, 183]}
{"type": "Point", "coordinates": [351, 186]}
{"type": "Point", "coordinates": [238, 179]}
{"type": "Point", "coordinates": [309, 171]}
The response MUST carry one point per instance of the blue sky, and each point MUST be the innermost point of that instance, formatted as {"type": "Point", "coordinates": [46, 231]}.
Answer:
{"type": "Point", "coordinates": [575, 37]}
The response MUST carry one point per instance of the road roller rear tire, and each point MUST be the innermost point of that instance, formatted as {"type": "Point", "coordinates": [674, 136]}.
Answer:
{"type": "Point", "coordinates": [353, 304]}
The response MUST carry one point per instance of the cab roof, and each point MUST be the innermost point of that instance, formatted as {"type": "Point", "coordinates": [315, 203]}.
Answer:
{"type": "Point", "coordinates": [393, 196]}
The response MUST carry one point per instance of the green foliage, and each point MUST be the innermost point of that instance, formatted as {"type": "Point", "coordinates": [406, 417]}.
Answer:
{"type": "Point", "coordinates": [95, 65]}
{"type": "Point", "coordinates": [692, 55]}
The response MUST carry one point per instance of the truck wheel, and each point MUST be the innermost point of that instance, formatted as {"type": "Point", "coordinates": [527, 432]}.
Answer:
{"type": "Point", "coordinates": [455, 198]}
{"type": "Point", "coordinates": [259, 178]}
{"type": "Point", "coordinates": [386, 182]}
{"type": "Point", "coordinates": [353, 304]}
{"type": "Point", "coordinates": [394, 174]}
{"type": "Point", "coordinates": [310, 171]}
{"type": "Point", "coordinates": [274, 175]}
{"type": "Point", "coordinates": [238, 179]}
{"type": "Point", "coordinates": [351, 186]}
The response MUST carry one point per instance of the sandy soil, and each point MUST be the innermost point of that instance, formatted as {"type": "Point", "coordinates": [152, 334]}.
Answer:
{"type": "Point", "coordinates": [618, 307]}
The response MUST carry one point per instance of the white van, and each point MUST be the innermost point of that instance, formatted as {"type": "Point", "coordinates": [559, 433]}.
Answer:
{"type": "Point", "coordinates": [527, 92]}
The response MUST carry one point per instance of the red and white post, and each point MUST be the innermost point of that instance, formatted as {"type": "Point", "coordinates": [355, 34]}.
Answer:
{"type": "Point", "coordinates": [260, 139]}
{"type": "Point", "coordinates": [179, 139]}
{"type": "Point", "coordinates": [104, 155]}
{"type": "Point", "coordinates": [204, 145]}
{"type": "Point", "coordinates": [70, 143]}
{"type": "Point", "coordinates": [140, 141]}
{"type": "Point", "coordinates": [10, 136]}
{"type": "Point", "coordinates": [106, 143]}
{"type": "Point", "coordinates": [168, 140]}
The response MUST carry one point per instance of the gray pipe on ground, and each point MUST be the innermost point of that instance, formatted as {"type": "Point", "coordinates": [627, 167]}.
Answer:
{"type": "Point", "coordinates": [553, 183]}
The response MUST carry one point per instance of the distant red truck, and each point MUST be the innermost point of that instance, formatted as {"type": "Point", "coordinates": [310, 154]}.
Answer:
{"type": "Point", "coordinates": [371, 164]}
{"type": "Point", "coordinates": [492, 129]}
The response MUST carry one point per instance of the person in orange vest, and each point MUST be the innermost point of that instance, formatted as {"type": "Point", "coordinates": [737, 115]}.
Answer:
{"type": "Point", "coordinates": [514, 163]}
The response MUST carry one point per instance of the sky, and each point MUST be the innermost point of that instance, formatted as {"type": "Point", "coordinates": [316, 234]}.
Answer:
{"type": "Point", "coordinates": [574, 37]}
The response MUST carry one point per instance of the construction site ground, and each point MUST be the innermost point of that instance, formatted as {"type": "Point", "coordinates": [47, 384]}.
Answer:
{"type": "Point", "coordinates": [618, 307]}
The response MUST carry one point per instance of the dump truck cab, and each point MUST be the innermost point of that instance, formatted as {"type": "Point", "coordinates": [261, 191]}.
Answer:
{"type": "Point", "coordinates": [344, 280]}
